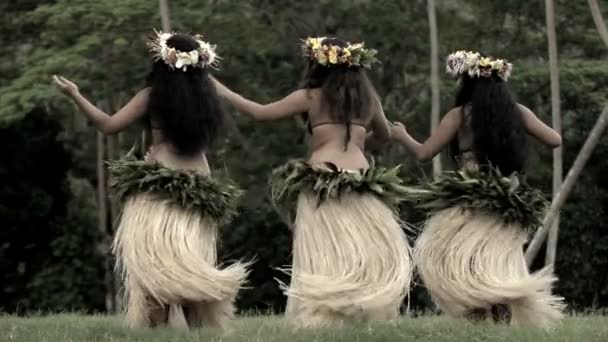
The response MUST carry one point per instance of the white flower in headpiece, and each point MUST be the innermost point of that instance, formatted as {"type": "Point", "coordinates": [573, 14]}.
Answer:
{"type": "Point", "coordinates": [164, 36]}
{"type": "Point", "coordinates": [202, 57]}
{"type": "Point", "coordinates": [185, 59]}
{"type": "Point", "coordinates": [473, 64]}
{"type": "Point", "coordinates": [457, 63]}
{"type": "Point", "coordinates": [505, 73]}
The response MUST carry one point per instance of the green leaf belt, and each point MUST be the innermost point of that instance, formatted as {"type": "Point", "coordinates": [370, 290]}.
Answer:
{"type": "Point", "coordinates": [327, 181]}
{"type": "Point", "coordinates": [187, 189]}
{"type": "Point", "coordinates": [491, 192]}
{"type": "Point", "coordinates": [488, 191]}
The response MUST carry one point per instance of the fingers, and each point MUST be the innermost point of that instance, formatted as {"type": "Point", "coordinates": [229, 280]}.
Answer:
{"type": "Point", "coordinates": [65, 80]}
{"type": "Point", "coordinates": [59, 82]}
{"type": "Point", "coordinates": [399, 125]}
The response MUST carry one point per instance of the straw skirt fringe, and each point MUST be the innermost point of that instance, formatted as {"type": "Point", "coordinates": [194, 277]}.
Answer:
{"type": "Point", "coordinates": [167, 256]}
{"type": "Point", "coordinates": [351, 261]}
{"type": "Point", "coordinates": [470, 260]}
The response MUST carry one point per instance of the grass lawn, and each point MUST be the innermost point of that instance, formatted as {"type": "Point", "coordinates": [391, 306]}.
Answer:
{"type": "Point", "coordinates": [78, 328]}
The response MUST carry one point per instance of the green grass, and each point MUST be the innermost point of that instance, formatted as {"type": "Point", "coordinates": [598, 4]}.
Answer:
{"type": "Point", "coordinates": [268, 329]}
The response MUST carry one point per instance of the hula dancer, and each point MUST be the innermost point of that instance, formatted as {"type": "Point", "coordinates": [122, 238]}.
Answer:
{"type": "Point", "coordinates": [351, 259]}
{"type": "Point", "coordinates": [470, 254]}
{"type": "Point", "coordinates": [166, 243]}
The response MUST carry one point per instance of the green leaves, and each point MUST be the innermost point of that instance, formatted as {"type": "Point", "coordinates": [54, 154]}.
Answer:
{"type": "Point", "coordinates": [328, 181]}
{"type": "Point", "coordinates": [490, 192]}
{"type": "Point", "coordinates": [187, 189]}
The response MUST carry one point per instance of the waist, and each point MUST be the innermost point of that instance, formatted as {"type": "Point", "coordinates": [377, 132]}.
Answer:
{"type": "Point", "coordinates": [164, 153]}
{"type": "Point", "coordinates": [351, 159]}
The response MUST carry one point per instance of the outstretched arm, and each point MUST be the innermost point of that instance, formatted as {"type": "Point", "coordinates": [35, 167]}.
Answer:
{"type": "Point", "coordinates": [294, 103]}
{"type": "Point", "coordinates": [132, 111]}
{"type": "Point", "coordinates": [446, 131]}
{"type": "Point", "coordinates": [538, 129]}
{"type": "Point", "coordinates": [380, 129]}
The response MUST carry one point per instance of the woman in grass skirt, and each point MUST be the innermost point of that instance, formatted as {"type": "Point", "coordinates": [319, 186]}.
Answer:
{"type": "Point", "coordinates": [166, 243]}
{"type": "Point", "coordinates": [351, 259]}
{"type": "Point", "coordinates": [470, 253]}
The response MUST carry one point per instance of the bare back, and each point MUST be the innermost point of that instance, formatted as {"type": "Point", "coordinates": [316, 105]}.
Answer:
{"type": "Point", "coordinates": [328, 137]}
{"type": "Point", "coordinates": [164, 153]}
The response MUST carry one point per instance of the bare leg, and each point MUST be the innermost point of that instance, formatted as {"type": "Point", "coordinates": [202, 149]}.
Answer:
{"type": "Point", "coordinates": [138, 310]}
{"type": "Point", "coordinates": [159, 314]}
{"type": "Point", "coordinates": [501, 313]}
{"type": "Point", "coordinates": [477, 315]}
{"type": "Point", "coordinates": [209, 314]}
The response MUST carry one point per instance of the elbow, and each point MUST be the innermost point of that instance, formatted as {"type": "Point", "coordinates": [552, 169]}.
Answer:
{"type": "Point", "coordinates": [258, 115]}
{"type": "Point", "coordinates": [557, 141]}
{"type": "Point", "coordinates": [420, 156]}
{"type": "Point", "coordinates": [107, 129]}
{"type": "Point", "coordinates": [423, 154]}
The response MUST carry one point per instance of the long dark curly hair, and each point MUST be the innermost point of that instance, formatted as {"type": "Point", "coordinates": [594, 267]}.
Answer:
{"type": "Point", "coordinates": [499, 136]}
{"type": "Point", "coordinates": [346, 91]}
{"type": "Point", "coordinates": [185, 103]}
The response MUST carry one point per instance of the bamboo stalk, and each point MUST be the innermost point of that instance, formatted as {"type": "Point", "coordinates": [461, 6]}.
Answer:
{"type": "Point", "coordinates": [165, 19]}
{"type": "Point", "coordinates": [102, 224]}
{"type": "Point", "coordinates": [165, 16]}
{"type": "Point", "coordinates": [581, 158]}
{"type": "Point", "coordinates": [434, 59]}
{"type": "Point", "coordinates": [559, 200]}
{"type": "Point", "coordinates": [557, 126]}
{"type": "Point", "coordinates": [596, 13]}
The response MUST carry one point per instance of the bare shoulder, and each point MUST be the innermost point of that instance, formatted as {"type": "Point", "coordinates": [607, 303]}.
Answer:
{"type": "Point", "coordinates": [144, 94]}
{"type": "Point", "coordinates": [524, 110]}
{"type": "Point", "coordinates": [313, 93]}
{"type": "Point", "coordinates": [454, 115]}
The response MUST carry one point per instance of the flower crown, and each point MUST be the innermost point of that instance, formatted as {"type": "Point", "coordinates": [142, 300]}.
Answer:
{"type": "Point", "coordinates": [352, 55]}
{"type": "Point", "coordinates": [203, 57]}
{"type": "Point", "coordinates": [473, 64]}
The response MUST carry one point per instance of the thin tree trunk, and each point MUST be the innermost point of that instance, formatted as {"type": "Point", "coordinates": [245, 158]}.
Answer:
{"type": "Point", "coordinates": [557, 125]}
{"type": "Point", "coordinates": [598, 20]}
{"type": "Point", "coordinates": [583, 155]}
{"type": "Point", "coordinates": [102, 223]}
{"type": "Point", "coordinates": [434, 79]}
{"type": "Point", "coordinates": [165, 15]}
{"type": "Point", "coordinates": [165, 19]}
{"type": "Point", "coordinates": [559, 200]}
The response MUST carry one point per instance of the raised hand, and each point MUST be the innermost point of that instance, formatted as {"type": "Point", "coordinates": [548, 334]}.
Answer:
{"type": "Point", "coordinates": [66, 86]}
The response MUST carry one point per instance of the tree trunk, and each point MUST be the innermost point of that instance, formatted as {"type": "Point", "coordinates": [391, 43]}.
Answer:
{"type": "Point", "coordinates": [165, 19]}
{"type": "Point", "coordinates": [559, 200]}
{"type": "Point", "coordinates": [557, 125]}
{"type": "Point", "coordinates": [434, 59]}
{"type": "Point", "coordinates": [102, 224]}
{"type": "Point", "coordinates": [592, 140]}
{"type": "Point", "coordinates": [165, 15]}
{"type": "Point", "coordinates": [598, 20]}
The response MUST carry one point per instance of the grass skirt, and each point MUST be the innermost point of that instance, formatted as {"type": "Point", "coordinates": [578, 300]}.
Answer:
{"type": "Point", "coordinates": [351, 259]}
{"type": "Point", "coordinates": [166, 243]}
{"type": "Point", "coordinates": [470, 255]}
